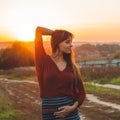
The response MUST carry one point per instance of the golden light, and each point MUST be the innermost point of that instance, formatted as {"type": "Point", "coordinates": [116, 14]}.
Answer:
{"type": "Point", "coordinates": [28, 35]}
{"type": "Point", "coordinates": [22, 32]}
{"type": "Point", "coordinates": [21, 17]}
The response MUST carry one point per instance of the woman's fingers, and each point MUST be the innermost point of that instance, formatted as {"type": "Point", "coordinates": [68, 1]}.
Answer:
{"type": "Point", "coordinates": [60, 114]}
{"type": "Point", "coordinates": [60, 108]}
{"type": "Point", "coordinates": [63, 111]}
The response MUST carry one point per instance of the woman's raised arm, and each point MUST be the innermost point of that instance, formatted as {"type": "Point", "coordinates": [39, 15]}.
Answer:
{"type": "Point", "coordinates": [39, 49]}
{"type": "Point", "coordinates": [44, 31]}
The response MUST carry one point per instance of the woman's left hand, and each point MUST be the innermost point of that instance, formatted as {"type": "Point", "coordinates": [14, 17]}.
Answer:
{"type": "Point", "coordinates": [63, 111]}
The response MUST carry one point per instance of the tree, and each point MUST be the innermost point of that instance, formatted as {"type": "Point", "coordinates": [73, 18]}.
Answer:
{"type": "Point", "coordinates": [16, 56]}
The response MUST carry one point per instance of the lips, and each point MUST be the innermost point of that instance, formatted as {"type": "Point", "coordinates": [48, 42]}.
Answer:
{"type": "Point", "coordinates": [69, 50]}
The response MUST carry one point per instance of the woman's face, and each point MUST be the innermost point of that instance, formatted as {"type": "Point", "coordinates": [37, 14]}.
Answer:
{"type": "Point", "coordinates": [66, 46]}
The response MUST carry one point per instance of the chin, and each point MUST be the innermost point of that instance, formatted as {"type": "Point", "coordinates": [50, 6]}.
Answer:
{"type": "Point", "coordinates": [68, 52]}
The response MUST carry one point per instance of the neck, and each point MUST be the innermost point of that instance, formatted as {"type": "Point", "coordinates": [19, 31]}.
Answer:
{"type": "Point", "coordinates": [57, 56]}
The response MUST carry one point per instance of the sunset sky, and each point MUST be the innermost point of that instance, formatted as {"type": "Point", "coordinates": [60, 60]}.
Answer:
{"type": "Point", "coordinates": [89, 20]}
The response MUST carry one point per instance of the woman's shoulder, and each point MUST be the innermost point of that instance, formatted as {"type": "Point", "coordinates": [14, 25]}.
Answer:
{"type": "Point", "coordinates": [47, 58]}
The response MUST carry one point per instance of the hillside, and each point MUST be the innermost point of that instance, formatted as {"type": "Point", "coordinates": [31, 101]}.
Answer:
{"type": "Point", "coordinates": [86, 51]}
{"type": "Point", "coordinates": [103, 51]}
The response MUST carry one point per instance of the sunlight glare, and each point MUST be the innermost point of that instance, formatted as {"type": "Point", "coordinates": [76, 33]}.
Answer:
{"type": "Point", "coordinates": [24, 33]}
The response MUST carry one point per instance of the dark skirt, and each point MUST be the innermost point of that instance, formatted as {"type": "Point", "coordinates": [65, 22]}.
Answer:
{"type": "Point", "coordinates": [51, 105]}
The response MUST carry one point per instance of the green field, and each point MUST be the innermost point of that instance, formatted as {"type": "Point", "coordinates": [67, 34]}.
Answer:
{"type": "Point", "coordinates": [101, 90]}
{"type": "Point", "coordinates": [7, 112]}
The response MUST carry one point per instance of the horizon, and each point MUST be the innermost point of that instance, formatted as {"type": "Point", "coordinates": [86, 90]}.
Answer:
{"type": "Point", "coordinates": [74, 42]}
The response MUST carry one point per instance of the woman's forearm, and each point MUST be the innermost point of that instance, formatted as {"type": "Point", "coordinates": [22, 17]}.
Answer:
{"type": "Point", "coordinates": [44, 31]}
{"type": "Point", "coordinates": [75, 105]}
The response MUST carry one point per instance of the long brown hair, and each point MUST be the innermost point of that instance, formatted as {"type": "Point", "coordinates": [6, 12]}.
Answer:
{"type": "Point", "coordinates": [57, 37]}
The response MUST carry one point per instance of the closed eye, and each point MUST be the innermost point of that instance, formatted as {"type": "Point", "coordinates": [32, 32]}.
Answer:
{"type": "Point", "coordinates": [68, 41]}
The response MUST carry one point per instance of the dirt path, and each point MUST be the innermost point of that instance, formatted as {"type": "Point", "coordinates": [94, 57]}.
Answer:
{"type": "Point", "coordinates": [26, 99]}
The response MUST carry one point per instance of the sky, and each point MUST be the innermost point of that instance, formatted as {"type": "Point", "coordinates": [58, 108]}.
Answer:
{"type": "Point", "coordinates": [88, 20]}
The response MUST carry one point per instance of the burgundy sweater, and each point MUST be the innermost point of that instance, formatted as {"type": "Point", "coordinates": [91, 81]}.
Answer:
{"type": "Point", "coordinates": [52, 81]}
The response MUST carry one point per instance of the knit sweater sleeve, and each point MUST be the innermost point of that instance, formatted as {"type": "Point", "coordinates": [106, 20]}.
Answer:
{"type": "Point", "coordinates": [40, 56]}
{"type": "Point", "coordinates": [80, 93]}
{"type": "Point", "coordinates": [39, 49]}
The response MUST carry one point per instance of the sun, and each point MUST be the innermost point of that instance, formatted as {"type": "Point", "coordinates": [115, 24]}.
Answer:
{"type": "Point", "coordinates": [24, 37]}
{"type": "Point", "coordinates": [22, 32]}
{"type": "Point", "coordinates": [25, 34]}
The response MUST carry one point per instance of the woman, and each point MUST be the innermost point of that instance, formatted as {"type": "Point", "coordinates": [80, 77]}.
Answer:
{"type": "Point", "coordinates": [61, 87]}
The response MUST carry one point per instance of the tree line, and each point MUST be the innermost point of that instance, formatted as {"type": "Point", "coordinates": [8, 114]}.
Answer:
{"type": "Point", "coordinates": [16, 56]}
{"type": "Point", "coordinates": [21, 54]}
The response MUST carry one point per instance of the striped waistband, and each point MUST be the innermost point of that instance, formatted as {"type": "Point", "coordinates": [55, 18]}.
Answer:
{"type": "Point", "coordinates": [51, 105]}
{"type": "Point", "coordinates": [54, 103]}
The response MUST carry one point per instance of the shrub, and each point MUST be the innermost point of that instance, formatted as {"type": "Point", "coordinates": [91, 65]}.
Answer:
{"type": "Point", "coordinates": [94, 73]}
{"type": "Point", "coordinates": [16, 56]}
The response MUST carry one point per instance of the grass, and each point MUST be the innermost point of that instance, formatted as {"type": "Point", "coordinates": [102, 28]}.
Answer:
{"type": "Point", "coordinates": [102, 90]}
{"type": "Point", "coordinates": [28, 73]}
{"type": "Point", "coordinates": [17, 77]}
{"type": "Point", "coordinates": [102, 75]}
{"type": "Point", "coordinates": [7, 115]}
{"type": "Point", "coordinates": [115, 81]}
{"type": "Point", "coordinates": [21, 73]}
{"type": "Point", "coordinates": [6, 109]}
